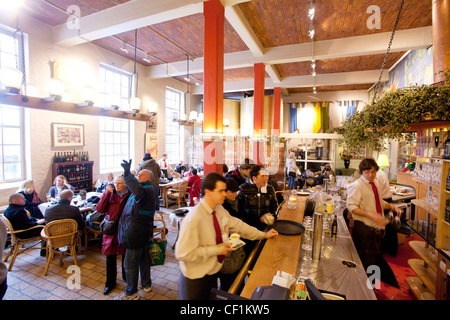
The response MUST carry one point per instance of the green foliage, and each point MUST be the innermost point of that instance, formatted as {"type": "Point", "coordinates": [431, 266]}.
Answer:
{"type": "Point", "coordinates": [389, 117]}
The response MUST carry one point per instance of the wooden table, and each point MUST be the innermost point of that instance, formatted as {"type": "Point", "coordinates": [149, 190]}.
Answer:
{"type": "Point", "coordinates": [165, 187]}
{"type": "Point", "coordinates": [281, 253]}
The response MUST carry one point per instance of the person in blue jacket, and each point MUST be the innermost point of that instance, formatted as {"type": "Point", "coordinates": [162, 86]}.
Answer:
{"type": "Point", "coordinates": [136, 230]}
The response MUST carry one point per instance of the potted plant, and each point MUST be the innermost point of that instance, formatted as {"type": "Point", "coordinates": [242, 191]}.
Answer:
{"type": "Point", "coordinates": [391, 115]}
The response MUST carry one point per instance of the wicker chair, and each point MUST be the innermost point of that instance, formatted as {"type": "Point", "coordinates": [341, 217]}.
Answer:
{"type": "Point", "coordinates": [17, 241]}
{"type": "Point", "coordinates": [179, 194]}
{"type": "Point", "coordinates": [90, 230]}
{"type": "Point", "coordinates": [159, 226]}
{"type": "Point", "coordinates": [58, 234]}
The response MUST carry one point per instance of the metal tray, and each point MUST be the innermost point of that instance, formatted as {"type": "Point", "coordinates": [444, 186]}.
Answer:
{"type": "Point", "coordinates": [288, 227]}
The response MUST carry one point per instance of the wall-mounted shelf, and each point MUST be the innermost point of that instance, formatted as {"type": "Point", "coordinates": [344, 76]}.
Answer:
{"type": "Point", "coordinates": [59, 106]}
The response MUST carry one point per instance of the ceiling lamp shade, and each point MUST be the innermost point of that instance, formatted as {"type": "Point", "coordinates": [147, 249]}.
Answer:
{"type": "Point", "coordinates": [12, 79]}
{"type": "Point", "coordinates": [135, 104]}
{"type": "Point", "coordinates": [114, 100]}
{"type": "Point", "coordinates": [88, 93]}
{"type": "Point", "coordinates": [56, 87]}
{"type": "Point", "coordinates": [193, 115]}
{"type": "Point", "coordinates": [152, 107]}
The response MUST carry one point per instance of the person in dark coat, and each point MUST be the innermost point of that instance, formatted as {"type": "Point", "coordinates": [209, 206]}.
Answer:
{"type": "Point", "coordinates": [231, 203]}
{"type": "Point", "coordinates": [150, 164]}
{"type": "Point", "coordinates": [17, 215]}
{"type": "Point", "coordinates": [32, 198]}
{"type": "Point", "coordinates": [136, 230]}
{"type": "Point", "coordinates": [240, 174]}
{"type": "Point", "coordinates": [63, 210]}
{"type": "Point", "coordinates": [111, 203]}
{"type": "Point", "coordinates": [257, 199]}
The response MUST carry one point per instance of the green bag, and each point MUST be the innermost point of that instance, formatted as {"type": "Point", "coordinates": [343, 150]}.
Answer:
{"type": "Point", "coordinates": [157, 252]}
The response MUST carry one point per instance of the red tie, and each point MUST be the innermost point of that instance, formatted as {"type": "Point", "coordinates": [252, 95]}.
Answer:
{"type": "Point", "coordinates": [377, 198]}
{"type": "Point", "coordinates": [165, 164]}
{"type": "Point", "coordinates": [218, 234]}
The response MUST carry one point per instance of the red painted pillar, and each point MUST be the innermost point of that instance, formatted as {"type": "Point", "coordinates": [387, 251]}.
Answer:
{"type": "Point", "coordinates": [276, 108]}
{"type": "Point", "coordinates": [258, 112]}
{"type": "Point", "coordinates": [214, 17]}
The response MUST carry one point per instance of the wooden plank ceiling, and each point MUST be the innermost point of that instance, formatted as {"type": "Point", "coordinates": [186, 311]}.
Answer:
{"type": "Point", "coordinates": [272, 23]}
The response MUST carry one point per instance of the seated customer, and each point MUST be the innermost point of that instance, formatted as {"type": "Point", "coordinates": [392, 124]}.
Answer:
{"type": "Point", "coordinates": [60, 184]}
{"type": "Point", "coordinates": [194, 182]}
{"type": "Point", "coordinates": [109, 180]}
{"type": "Point", "coordinates": [19, 218]}
{"type": "Point", "coordinates": [32, 198]}
{"type": "Point", "coordinates": [63, 210]}
{"type": "Point", "coordinates": [181, 168]}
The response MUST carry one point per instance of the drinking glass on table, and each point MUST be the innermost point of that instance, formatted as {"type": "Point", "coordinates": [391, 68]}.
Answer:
{"type": "Point", "coordinates": [48, 197]}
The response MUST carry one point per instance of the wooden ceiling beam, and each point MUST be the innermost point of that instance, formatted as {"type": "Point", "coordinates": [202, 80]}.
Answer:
{"type": "Point", "coordinates": [125, 17]}
{"type": "Point", "coordinates": [328, 49]}
{"type": "Point", "coordinates": [331, 79]}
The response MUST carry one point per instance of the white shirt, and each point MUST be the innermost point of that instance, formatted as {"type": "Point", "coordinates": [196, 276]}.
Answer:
{"type": "Point", "coordinates": [360, 195]}
{"type": "Point", "coordinates": [196, 248]}
{"type": "Point", "coordinates": [384, 190]}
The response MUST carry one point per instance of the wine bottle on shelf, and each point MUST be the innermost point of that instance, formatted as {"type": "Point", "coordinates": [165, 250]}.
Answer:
{"type": "Point", "coordinates": [448, 181]}
{"type": "Point", "coordinates": [447, 147]}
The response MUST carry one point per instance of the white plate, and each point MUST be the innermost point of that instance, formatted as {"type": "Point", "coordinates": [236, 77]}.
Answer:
{"type": "Point", "coordinates": [238, 245]}
{"type": "Point", "coordinates": [303, 193]}
{"type": "Point", "coordinates": [403, 194]}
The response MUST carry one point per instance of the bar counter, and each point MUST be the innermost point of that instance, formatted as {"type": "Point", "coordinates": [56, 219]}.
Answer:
{"type": "Point", "coordinates": [329, 273]}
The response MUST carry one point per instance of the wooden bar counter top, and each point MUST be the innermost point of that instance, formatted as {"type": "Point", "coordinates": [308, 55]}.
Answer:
{"type": "Point", "coordinates": [281, 253]}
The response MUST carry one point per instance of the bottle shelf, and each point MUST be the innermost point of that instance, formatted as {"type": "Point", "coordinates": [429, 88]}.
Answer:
{"type": "Point", "coordinates": [424, 205]}
{"type": "Point", "coordinates": [425, 273]}
{"type": "Point", "coordinates": [418, 289]}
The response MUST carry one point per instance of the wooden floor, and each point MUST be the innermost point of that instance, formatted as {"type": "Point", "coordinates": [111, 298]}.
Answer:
{"type": "Point", "coordinates": [26, 281]}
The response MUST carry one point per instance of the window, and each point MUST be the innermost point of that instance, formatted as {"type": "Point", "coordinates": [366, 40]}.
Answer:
{"type": "Point", "coordinates": [114, 81]}
{"type": "Point", "coordinates": [12, 161]}
{"type": "Point", "coordinates": [173, 133]}
{"type": "Point", "coordinates": [114, 143]}
{"type": "Point", "coordinates": [114, 133]}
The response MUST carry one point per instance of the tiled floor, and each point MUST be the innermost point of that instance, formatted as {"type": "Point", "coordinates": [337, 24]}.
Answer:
{"type": "Point", "coordinates": [26, 281]}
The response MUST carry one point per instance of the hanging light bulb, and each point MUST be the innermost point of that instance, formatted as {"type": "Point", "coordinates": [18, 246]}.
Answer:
{"type": "Point", "coordinates": [147, 58]}
{"type": "Point", "coordinates": [124, 47]}
{"type": "Point", "coordinates": [311, 13]}
{"type": "Point", "coordinates": [311, 33]}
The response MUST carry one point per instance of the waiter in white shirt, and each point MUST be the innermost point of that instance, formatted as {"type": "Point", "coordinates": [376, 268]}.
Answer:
{"type": "Point", "coordinates": [202, 242]}
{"type": "Point", "coordinates": [366, 205]}
{"type": "Point", "coordinates": [165, 166]}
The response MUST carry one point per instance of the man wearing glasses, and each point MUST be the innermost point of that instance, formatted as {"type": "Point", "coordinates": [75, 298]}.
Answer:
{"type": "Point", "coordinates": [365, 204]}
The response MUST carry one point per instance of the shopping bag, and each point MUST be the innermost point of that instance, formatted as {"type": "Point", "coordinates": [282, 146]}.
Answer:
{"type": "Point", "coordinates": [157, 252]}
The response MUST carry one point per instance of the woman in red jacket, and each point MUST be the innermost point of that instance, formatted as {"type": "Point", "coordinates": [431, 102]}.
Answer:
{"type": "Point", "coordinates": [112, 203]}
{"type": "Point", "coordinates": [194, 183]}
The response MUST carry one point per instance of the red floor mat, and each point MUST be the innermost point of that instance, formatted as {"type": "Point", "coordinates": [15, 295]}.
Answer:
{"type": "Point", "coordinates": [402, 270]}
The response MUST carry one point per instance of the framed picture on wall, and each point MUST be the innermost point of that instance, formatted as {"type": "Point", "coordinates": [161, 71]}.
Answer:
{"type": "Point", "coordinates": [151, 144]}
{"type": "Point", "coordinates": [66, 135]}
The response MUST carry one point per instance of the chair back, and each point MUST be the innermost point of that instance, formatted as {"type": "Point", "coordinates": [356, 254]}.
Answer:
{"type": "Point", "coordinates": [10, 229]}
{"type": "Point", "coordinates": [159, 225]}
{"type": "Point", "coordinates": [61, 233]}
{"type": "Point", "coordinates": [183, 188]}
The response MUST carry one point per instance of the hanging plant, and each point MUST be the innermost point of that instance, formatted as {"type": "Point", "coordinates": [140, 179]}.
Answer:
{"type": "Point", "coordinates": [389, 117]}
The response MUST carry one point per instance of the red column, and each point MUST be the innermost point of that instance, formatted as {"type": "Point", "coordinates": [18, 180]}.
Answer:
{"type": "Point", "coordinates": [214, 16]}
{"type": "Point", "coordinates": [276, 108]}
{"type": "Point", "coordinates": [441, 38]}
{"type": "Point", "coordinates": [258, 112]}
